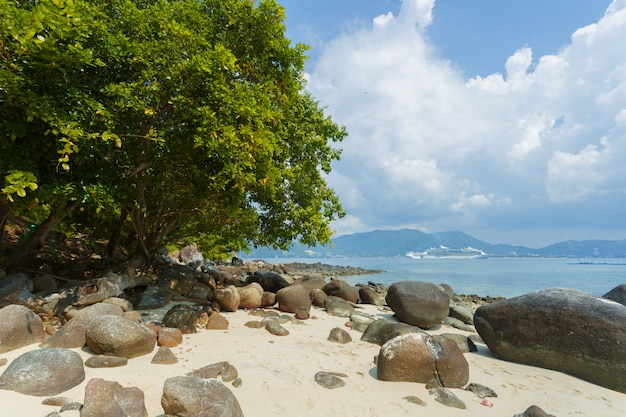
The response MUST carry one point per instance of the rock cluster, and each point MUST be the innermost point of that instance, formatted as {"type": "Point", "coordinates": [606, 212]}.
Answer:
{"type": "Point", "coordinates": [558, 329]}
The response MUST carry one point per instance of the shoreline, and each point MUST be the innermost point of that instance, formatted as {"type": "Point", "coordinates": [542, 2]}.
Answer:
{"type": "Point", "coordinates": [277, 373]}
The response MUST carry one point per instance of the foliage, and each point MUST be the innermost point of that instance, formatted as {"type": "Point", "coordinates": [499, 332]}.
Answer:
{"type": "Point", "coordinates": [185, 119]}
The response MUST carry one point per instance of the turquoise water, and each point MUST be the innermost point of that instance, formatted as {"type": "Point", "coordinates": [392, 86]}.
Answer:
{"type": "Point", "coordinates": [504, 277]}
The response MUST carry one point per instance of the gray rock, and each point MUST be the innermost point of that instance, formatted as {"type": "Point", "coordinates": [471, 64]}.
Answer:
{"type": "Point", "coordinates": [419, 357]}
{"type": "Point", "coordinates": [457, 324]}
{"type": "Point", "coordinates": [152, 298]}
{"type": "Point", "coordinates": [339, 335]}
{"type": "Point", "coordinates": [164, 356]}
{"type": "Point", "coordinates": [71, 406]}
{"type": "Point", "coordinates": [617, 294]}
{"type": "Point", "coordinates": [110, 399]}
{"type": "Point", "coordinates": [382, 330]}
{"type": "Point", "coordinates": [190, 396]}
{"type": "Point", "coordinates": [224, 369]}
{"type": "Point", "coordinates": [560, 329]}
{"type": "Point", "coordinates": [44, 372]}
{"type": "Point", "coordinates": [447, 398]}
{"type": "Point", "coordinates": [418, 303]}
{"type": "Point", "coordinates": [461, 312]}
{"type": "Point", "coordinates": [122, 303]}
{"type": "Point", "coordinates": [117, 336]}
{"type": "Point", "coordinates": [15, 283]}
{"type": "Point", "coordinates": [339, 307]}
{"type": "Point", "coordinates": [229, 373]}
{"type": "Point", "coordinates": [72, 333]}
{"type": "Point", "coordinates": [360, 320]}
{"type": "Point", "coordinates": [533, 411]}
{"type": "Point", "coordinates": [19, 327]}
{"type": "Point", "coordinates": [463, 342]}
{"type": "Point", "coordinates": [179, 279]}
{"type": "Point", "coordinates": [481, 391]}
{"type": "Point", "coordinates": [183, 317]}
{"type": "Point", "coordinates": [274, 327]}
{"type": "Point", "coordinates": [329, 380]}
{"type": "Point", "coordinates": [104, 361]}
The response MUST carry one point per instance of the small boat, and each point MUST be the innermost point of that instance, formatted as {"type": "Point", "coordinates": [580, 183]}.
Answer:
{"type": "Point", "coordinates": [444, 252]}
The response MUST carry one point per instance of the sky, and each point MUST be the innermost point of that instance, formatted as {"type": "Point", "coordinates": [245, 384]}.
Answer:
{"type": "Point", "coordinates": [504, 120]}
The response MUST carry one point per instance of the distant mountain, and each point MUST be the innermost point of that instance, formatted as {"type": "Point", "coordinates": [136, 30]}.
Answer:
{"type": "Point", "coordinates": [396, 243]}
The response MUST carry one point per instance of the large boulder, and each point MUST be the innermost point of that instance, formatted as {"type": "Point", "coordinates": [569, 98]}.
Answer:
{"type": "Point", "coordinates": [191, 396]}
{"type": "Point", "coordinates": [109, 398]}
{"type": "Point", "coordinates": [228, 298]}
{"type": "Point", "coordinates": [44, 372]}
{"type": "Point", "coordinates": [179, 279]}
{"type": "Point", "coordinates": [368, 295]}
{"type": "Point", "coordinates": [418, 303]}
{"type": "Point", "coordinates": [270, 281]}
{"type": "Point", "coordinates": [560, 329]}
{"type": "Point", "coordinates": [311, 282]}
{"type": "Point", "coordinates": [617, 294]}
{"type": "Point", "coordinates": [118, 336]}
{"type": "Point", "coordinates": [419, 357]}
{"type": "Point", "coordinates": [72, 333]}
{"type": "Point", "coordinates": [293, 299]}
{"type": "Point", "coordinates": [19, 327]}
{"type": "Point", "coordinates": [339, 288]}
{"type": "Point", "coordinates": [182, 317]}
{"type": "Point", "coordinates": [251, 296]}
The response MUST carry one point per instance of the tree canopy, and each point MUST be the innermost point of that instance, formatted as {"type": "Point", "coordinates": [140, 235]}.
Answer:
{"type": "Point", "coordinates": [165, 121]}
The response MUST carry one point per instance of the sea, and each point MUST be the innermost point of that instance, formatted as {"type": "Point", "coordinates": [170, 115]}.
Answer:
{"type": "Point", "coordinates": [496, 277]}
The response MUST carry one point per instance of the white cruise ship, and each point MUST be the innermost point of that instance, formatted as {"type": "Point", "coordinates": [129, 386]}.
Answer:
{"type": "Point", "coordinates": [448, 253]}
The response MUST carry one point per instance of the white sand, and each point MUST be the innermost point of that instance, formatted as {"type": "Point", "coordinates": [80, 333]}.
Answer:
{"type": "Point", "coordinates": [278, 371]}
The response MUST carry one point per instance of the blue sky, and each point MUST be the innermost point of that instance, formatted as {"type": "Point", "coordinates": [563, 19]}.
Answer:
{"type": "Point", "coordinates": [506, 120]}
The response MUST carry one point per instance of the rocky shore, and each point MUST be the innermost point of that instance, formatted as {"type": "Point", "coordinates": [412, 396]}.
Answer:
{"type": "Point", "coordinates": [189, 337]}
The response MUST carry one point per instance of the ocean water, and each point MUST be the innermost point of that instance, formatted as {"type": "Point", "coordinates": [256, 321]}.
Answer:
{"type": "Point", "coordinates": [503, 277]}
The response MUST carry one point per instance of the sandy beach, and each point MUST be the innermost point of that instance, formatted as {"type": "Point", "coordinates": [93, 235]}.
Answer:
{"type": "Point", "coordinates": [278, 377]}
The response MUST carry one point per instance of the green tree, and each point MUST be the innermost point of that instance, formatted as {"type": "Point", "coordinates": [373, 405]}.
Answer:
{"type": "Point", "coordinates": [173, 121]}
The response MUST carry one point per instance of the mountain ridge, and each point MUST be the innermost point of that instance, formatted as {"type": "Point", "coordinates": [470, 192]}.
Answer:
{"type": "Point", "coordinates": [396, 243]}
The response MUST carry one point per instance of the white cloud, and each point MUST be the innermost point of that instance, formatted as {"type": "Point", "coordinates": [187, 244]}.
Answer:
{"type": "Point", "coordinates": [428, 147]}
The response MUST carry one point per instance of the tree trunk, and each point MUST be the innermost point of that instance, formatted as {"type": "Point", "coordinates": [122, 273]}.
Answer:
{"type": "Point", "coordinates": [39, 236]}
{"type": "Point", "coordinates": [151, 244]}
{"type": "Point", "coordinates": [4, 215]}
{"type": "Point", "coordinates": [110, 285]}
{"type": "Point", "coordinates": [114, 240]}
